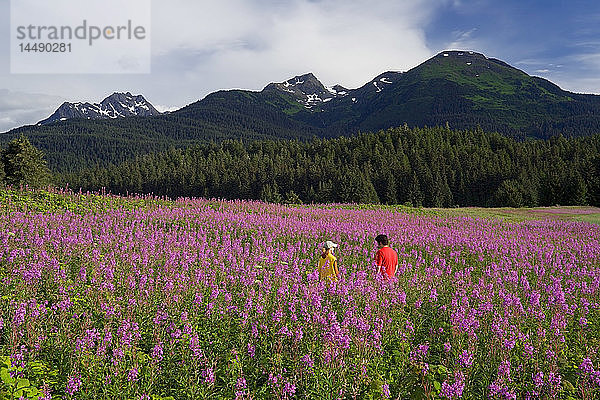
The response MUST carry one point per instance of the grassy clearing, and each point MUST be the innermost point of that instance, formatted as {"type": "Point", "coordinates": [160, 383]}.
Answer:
{"type": "Point", "coordinates": [567, 213]}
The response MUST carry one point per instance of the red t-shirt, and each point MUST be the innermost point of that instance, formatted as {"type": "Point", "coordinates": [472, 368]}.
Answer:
{"type": "Point", "coordinates": [387, 258]}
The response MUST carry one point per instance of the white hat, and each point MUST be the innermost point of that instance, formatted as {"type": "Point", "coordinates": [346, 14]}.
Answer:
{"type": "Point", "coordinates": [330, 245]}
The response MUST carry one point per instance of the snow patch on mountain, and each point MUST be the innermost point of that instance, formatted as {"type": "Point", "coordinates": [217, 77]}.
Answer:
{"type": "Point", "coordinates": [308, 90]}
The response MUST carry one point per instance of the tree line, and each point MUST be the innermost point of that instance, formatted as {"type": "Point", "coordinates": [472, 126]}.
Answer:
{"type": "Point", "coordinates": [431, 167]}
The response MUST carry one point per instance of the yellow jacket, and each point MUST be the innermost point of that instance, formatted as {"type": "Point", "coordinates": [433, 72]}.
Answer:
{"type": "Point", "coordinates": [328, 267]}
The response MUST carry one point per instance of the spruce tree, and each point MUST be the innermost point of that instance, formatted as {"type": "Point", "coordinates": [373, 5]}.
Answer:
{"type": "Point", "coordinates": [2, 174]}
{"type": "Point", "coordinates": [24, 164]}
{"type": "Point", "coordinates": [415, 195]}
{"type": "Point", "coordinates": [292, 198]}
{"type": "Point", "coordinates": [594, 189]}
{"type": "Point", "coordinates": [389, 189]}
{"type": "Point", "coordinates": [270, 193]}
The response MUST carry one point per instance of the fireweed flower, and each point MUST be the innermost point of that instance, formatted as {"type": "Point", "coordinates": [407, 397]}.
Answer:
{"type": "Point", "coordinates": [157, 352]}
{"type": "Point", "coordinates": [20, 313]}
{"type": "Point", "coordinates": [385, 389]}
{"type": "Point", "coordinates": [251, 350]}
{"type": "Point", "coordinates": [289, 389]}
{"type": "Point", "coordinates": [419, 353]}
{"type": "Point", "coordinates": [18, 360]}
{"type": "Point", "coordinates": [208, 375]}
{"type": "Point", "coordinates": [158, 275]}
{"type": "Point", "coordinates": [455, 389]}
{"type": "Point", "coordinates": [240, 387]}
{"type": "Point", "coordinates": [409, 326]}
{"type": "Point", "coordinates": [73, 383]}
{"type": "Point", "coordinates": [554, 381]}
{"type": "Point", "coordinates": [528, 350]}
{"type": "Point", "coordinates": [46, 393]}
{"type": "Point", "coordinates": [307, 360]}
{"type": "Point", "coordinates": [133, 374]}
{"type": "Point", "coordinates": [596, 377]}
{"type": "Point", "coordinates": [118, 355]}
{"type": "Point", "coordinates": [195, 346]}
{"type": "Point", "coordinates": [504, 370]}
{"type": "Point", "coordinates": [586, 366]}
{"type": "Point", "coordinates": [538, 379]}
{"type": "Point", "coordinates": [465, 360]}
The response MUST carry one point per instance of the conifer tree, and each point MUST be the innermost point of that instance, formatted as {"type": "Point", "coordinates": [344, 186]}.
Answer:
{"type": "Point", "coordinates": [415, 195]}
{"type": "Point", "coordinates": [270, 193]}
{"type": "Point", "coordinates": [24, 164]}
{"type": "Point", "coordinates": [594, 185]}
{"type": "Point", "coordinates": [2, 174]}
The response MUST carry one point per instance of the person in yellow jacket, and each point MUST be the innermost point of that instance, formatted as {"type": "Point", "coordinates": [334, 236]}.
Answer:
{"type": "Point", "coordinates": [328, 269]}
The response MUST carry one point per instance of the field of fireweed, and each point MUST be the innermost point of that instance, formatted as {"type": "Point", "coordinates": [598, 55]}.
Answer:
{"type": "Point", "coordinates": [143, 298]}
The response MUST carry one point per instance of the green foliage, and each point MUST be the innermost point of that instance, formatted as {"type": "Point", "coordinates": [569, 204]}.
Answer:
{"type": "Point", "coordinates": [292, 198]}
{"type": "Point", "coordinates": [2, 173]}
{"type": "Point", "coordinates": [24, 164]}
{"type": "Point", "coordinates": [594, 180]}
{"type": "Point", "coordinates": [45, 201]}
{"type": "Point", "coordinates": [270, 193]}
{"type": "Point", "coordinates": [26, 382]}
{"type": "Point", "coordinates": [510, 194]}
{"type": "Point", "coordinates": [433, 167]}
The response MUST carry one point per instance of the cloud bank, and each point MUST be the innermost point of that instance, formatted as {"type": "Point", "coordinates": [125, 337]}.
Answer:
{"type": "Point", "coordinates": [19, 108]}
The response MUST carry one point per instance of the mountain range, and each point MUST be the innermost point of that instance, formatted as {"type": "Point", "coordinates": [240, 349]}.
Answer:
{"type": "Point", "coordinates": [462, 89]}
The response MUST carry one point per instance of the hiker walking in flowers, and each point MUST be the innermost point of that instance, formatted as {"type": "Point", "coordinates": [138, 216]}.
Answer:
{"type": "Point", "coordinates": [386, 258]}
{"type": "Point", "coordinates": [328, 269]}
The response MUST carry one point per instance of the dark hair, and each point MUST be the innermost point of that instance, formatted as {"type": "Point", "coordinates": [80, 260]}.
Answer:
{"type": "Point", "coordinates": [382, 239]}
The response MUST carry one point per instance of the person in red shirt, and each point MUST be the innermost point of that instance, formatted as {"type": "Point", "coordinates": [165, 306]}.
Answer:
{"type": "Point", "coordinates": [386, 258]}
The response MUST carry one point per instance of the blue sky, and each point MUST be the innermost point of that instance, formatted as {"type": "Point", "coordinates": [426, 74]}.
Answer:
{"type": "Point", "coordinates": [202, 46]}
{"type": "Point", "coordinates": [557, 40]}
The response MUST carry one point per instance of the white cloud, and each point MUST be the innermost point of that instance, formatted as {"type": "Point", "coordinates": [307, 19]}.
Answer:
{"type": "Point", "coordinates": [586, 80]}
{"type": "Point", "coordinates": [202, 46]}
{"type": "Point", "coordinates": [573, 72]}
{"type": "Point", "coordinates": [248, 44]}
{"type": "Point", "coordinates": [465, 40]}
{"type": "Point", "coordinates": [162, 108]}
{"type": "Point", "coordinates": [589, 60]}
{"type": "Point", "coordinates": [20, 108]}
{"type": "Point", "coordinates": [113, 56]}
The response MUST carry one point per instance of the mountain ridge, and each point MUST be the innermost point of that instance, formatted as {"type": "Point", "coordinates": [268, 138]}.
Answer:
{"type": "Point", "coordinates": [461, 89]}
{"type": "Point", "coordinates": [116, 105]}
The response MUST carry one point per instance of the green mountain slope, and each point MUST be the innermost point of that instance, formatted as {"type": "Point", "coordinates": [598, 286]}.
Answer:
{"type": "Point", "coordinates": [467, 89]}
{"type": "Point", "coordinates": [72, 144]}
